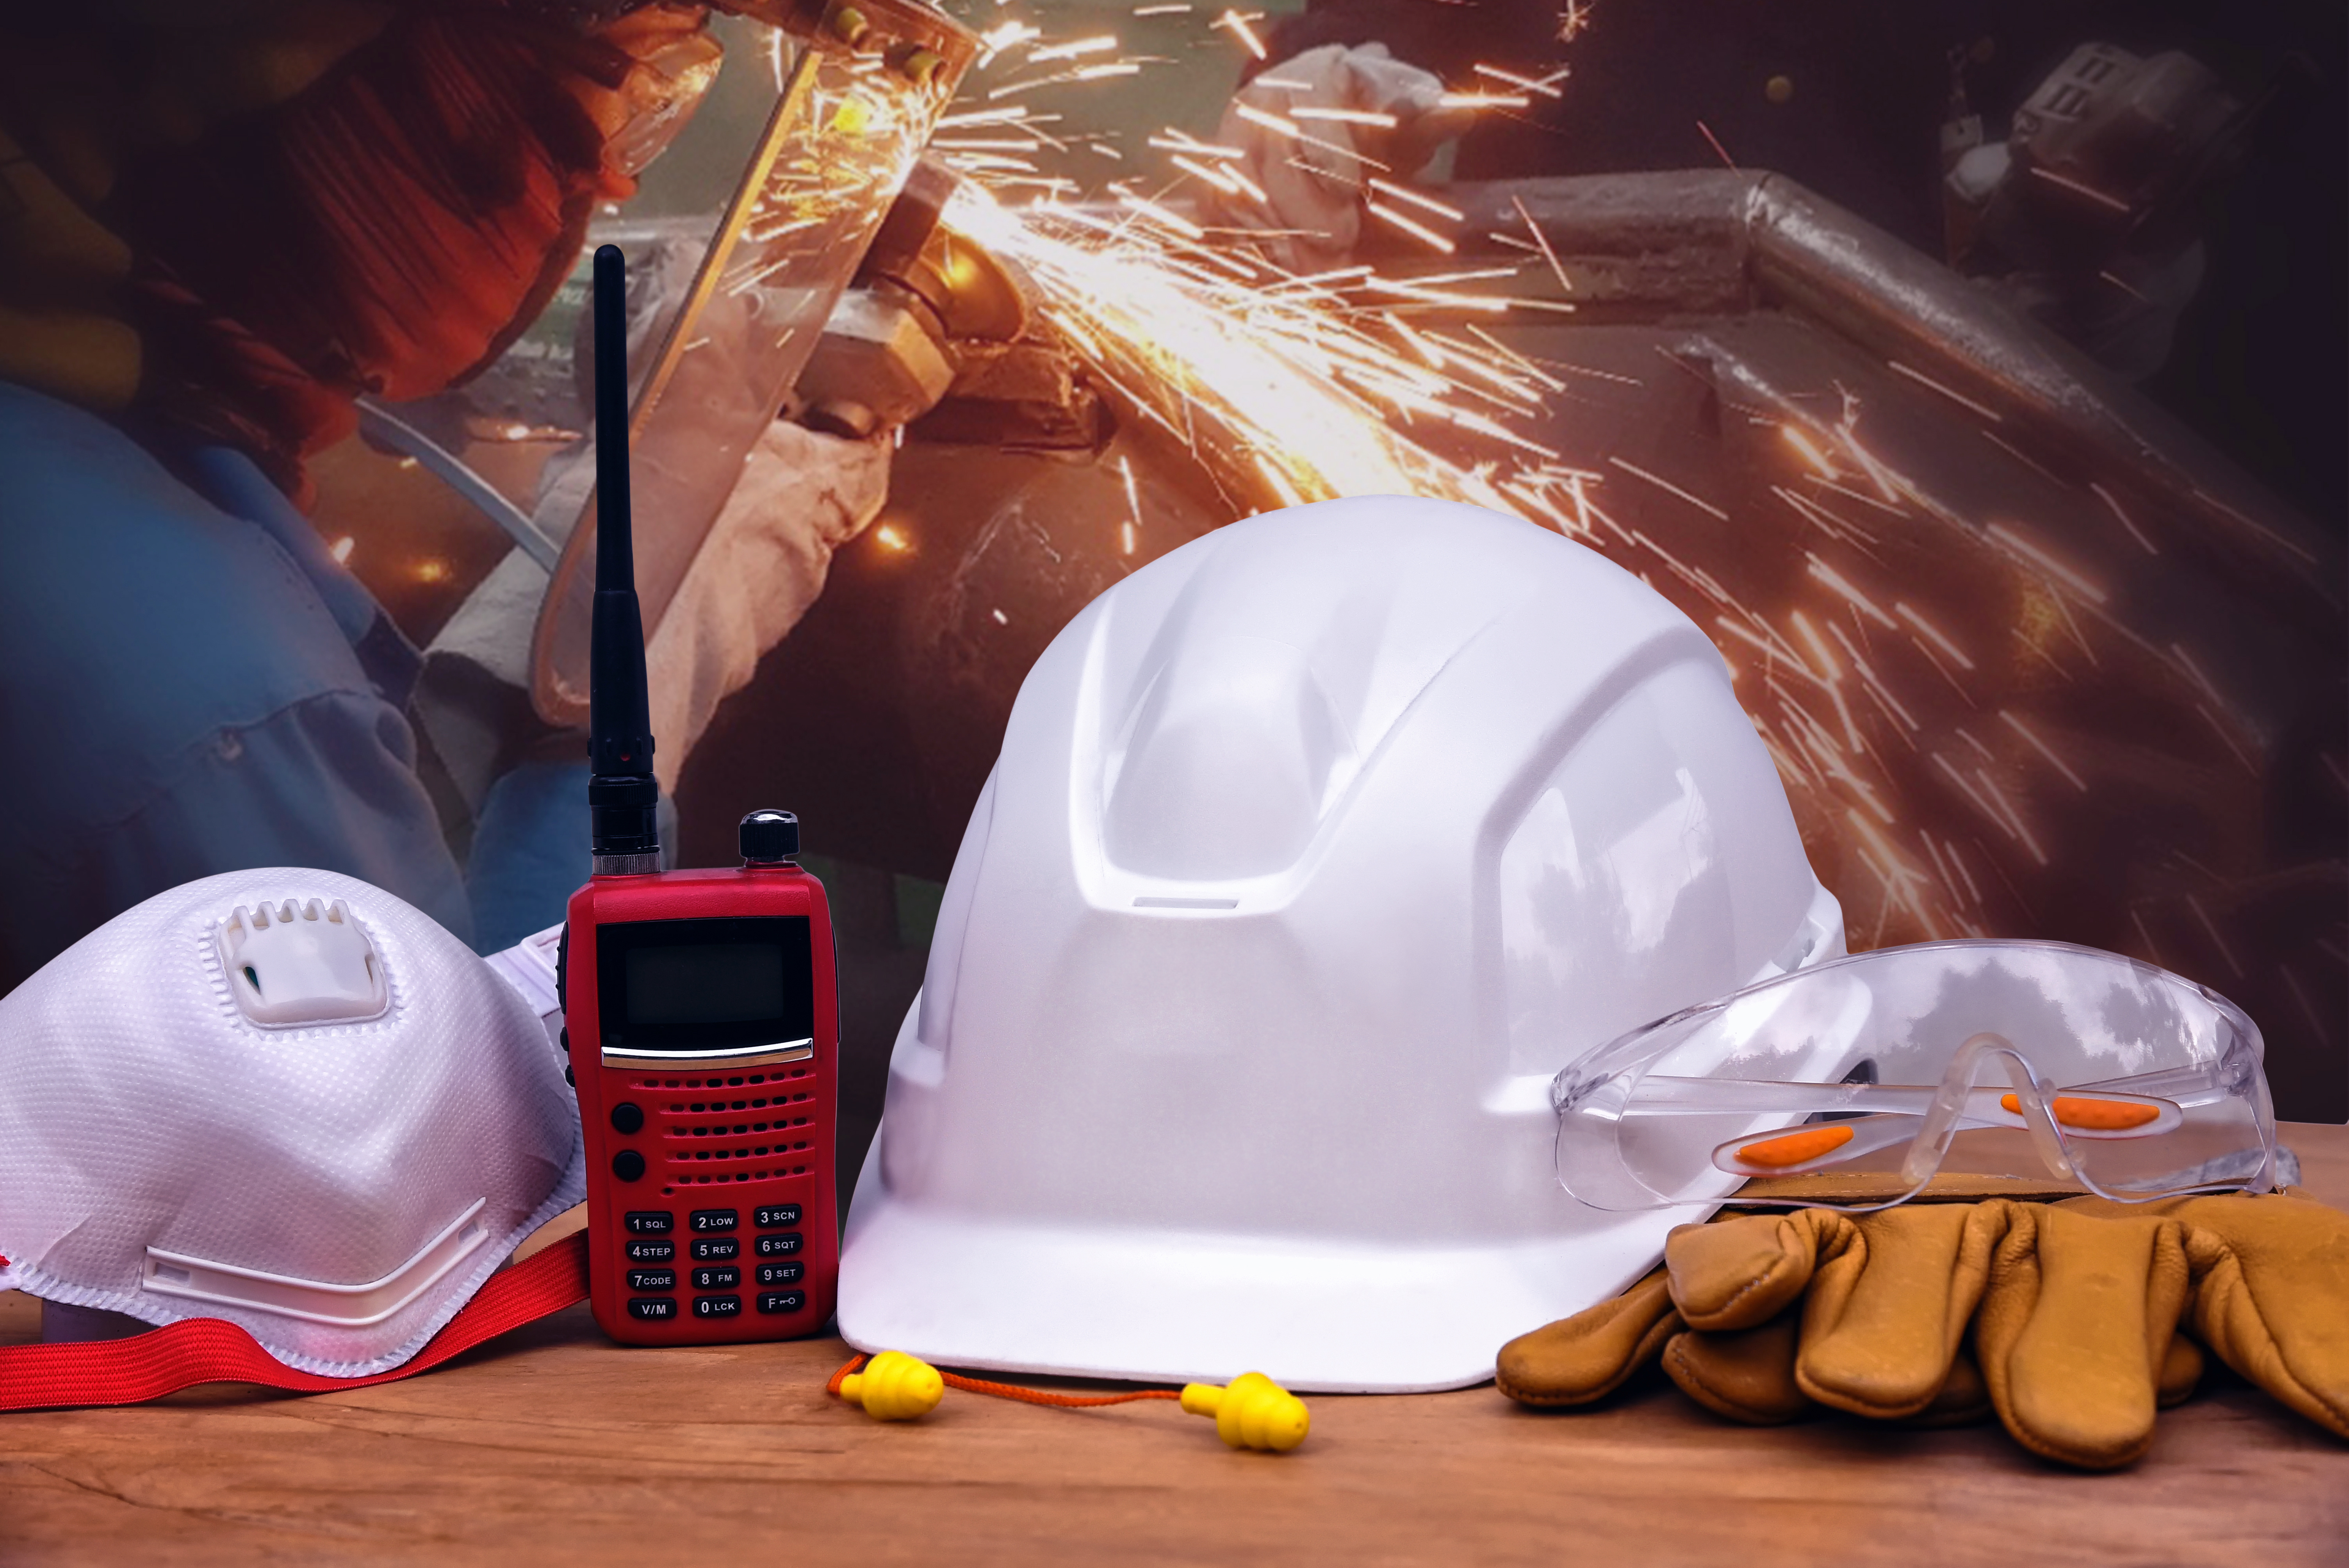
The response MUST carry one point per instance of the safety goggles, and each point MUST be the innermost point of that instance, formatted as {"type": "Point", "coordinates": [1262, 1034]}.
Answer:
{"type": "Point", "coordinates": [1997, 1058]}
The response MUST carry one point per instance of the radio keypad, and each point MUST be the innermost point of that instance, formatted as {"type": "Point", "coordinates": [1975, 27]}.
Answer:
{"type": "Point", "coordinates": [720, 1248]}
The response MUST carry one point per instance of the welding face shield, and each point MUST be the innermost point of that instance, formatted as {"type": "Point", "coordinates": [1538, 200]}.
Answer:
{"type": "Point", "coordinates": [784, 130]}
{"type": "Point", "coordinates": [2015, 1061]}
{"type": "Point", "coordinates": [857, 91]}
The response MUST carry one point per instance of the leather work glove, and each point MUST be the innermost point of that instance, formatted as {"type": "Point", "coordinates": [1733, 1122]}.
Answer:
{"type": "Point", "coordinates": [2074, 1306]}
{"type": "Point", "coordinates": [803, 496]}
{"type": "Point", "coordinates": [1878, 1303]}
{"type": "Point", "coordinates": [1580, 1359]}
{"type": "Point", "coordinates": [2270, 1292]}
{"type": "Point", "coordinates": [1305, 191]}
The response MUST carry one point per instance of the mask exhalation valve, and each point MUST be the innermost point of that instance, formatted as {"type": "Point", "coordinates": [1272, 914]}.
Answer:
{"type": "Point", "coordinates": [296, 963]}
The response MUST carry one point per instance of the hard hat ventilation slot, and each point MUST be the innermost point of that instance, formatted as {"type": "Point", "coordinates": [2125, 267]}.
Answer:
{"type": "Point", "coordinates": [1233, 757]}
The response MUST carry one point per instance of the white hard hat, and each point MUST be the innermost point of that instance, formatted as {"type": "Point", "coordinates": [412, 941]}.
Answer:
{"type": "Point", "coordinates": [1315, 849]}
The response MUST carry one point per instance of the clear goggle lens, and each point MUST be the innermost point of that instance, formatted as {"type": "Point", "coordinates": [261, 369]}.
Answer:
{"type": "Point", "coordinates": [2031, 1060]}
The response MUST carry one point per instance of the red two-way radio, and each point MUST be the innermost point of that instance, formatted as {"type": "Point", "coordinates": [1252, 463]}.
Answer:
{"type": "Point", "coordinates": [699, 1006]}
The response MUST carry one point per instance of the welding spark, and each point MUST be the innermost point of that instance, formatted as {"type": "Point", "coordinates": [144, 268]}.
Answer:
{"type": "Point", "coordinates": [1415, 229]}
{"type": "Point", "coordinates": [1343, 116]}
{"type": "Point", "coordinates": [2041, 746]}
{"type": "Point", "coordinates": [2111, 204]}
{"type": "Point", "coordinates": [1919, 377]}
{"type": "Point", "coordinates": [1237, 26]}
{"type": "Point", "coordinates": [2114, 507]}
{"type": "Point", "coordinates": [1546, 87]}
{"type": "Point", "coordinates": [1668, 488]}
{"type": "Point", "coordinates": [1541, 239]}
{"type": "Point", "coordinates": [1933, 634]}
{"type": "Point", "coordinates": [1099, 44]}
{"type": "Point", "coordinates": [2037, 555]}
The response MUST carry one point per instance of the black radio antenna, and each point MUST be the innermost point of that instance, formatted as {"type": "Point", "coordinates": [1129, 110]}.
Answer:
{"type": "Point", "coordinates": [622, 794]}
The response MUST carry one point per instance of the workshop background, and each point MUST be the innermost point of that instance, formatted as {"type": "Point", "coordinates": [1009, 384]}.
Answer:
{"type": "Point", "coordinates": [2023, 535]}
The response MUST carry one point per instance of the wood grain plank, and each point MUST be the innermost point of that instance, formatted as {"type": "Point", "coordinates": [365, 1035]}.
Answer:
{"type": "Point", "coordinates": [554, 1445]}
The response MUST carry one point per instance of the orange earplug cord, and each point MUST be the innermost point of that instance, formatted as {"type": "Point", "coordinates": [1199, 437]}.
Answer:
{"type": "Point", "coordinates": [1012, 1391]}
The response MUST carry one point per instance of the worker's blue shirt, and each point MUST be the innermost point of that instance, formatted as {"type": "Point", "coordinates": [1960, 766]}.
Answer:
{"type": "Point", "coordinates": [189, 684]}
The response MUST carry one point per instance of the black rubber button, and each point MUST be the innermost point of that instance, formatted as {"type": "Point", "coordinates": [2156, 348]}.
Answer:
{"type": "Point", "coordinates": [628, 1165]}
{"type": "Point", "coordinates": [715, 1279]}
{"type": "Point", "coordinates": [652, 1308]}
{"type": "Point", "coordinates": [781, 1246]}
{"type": "Point", "coordinates": [716, 1219]}
{"type": "Point", "coordinates": [652, 1279]}
{"type": "Point", "coordinates": [568, 1077]}
{"type": "Point", "coordinates": [772, 1301]}
{"type": "Point", "coordinates": [628, 1118]}
{"type": "Point", "coordinates": [651, 1251]}
{"type": "Point", "coordinates": [650, 1222]}
{"type": "Point", "coordinates": [770, 1215]}
{"type": "Point", "coordinates": [781, 1273]}
{"type": "Point", "coordinates": [717, 1306]}
{"type": "Point", "coordinates": [716, 1249]}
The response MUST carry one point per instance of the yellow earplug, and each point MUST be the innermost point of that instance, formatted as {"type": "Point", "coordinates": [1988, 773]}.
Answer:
{"type": "Point", "coordinates": [895, 1386]}
{"type": "Point", "coordinates": [1252, 1412]}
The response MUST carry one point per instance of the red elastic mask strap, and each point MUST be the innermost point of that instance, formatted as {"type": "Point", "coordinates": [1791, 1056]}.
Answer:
{"type": "Point", "coordinates": [213, 1350]}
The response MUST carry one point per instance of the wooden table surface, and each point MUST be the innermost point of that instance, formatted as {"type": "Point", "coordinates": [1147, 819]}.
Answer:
{"type": "Point", "coordinates": [553, 1445]}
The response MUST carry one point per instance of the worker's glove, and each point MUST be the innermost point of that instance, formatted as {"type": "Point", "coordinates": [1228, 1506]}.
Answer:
{"type": "Point", "coordinates": [1303, 180]}
{"type": "Point", "coordinates": [1878, 1302]}
{"type": "Point", "coordinates": [2074, 1309]}
{"type": "Point", "coordinates": [1585, 1357]}
{"type": "Point", "coordinates": [2270, 1290]}
{"type": "Point", "coordinates": [802, 495]}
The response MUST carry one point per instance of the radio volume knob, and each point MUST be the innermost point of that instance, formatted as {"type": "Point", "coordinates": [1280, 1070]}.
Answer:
{"type": "Point", "coordinates": [769, 838]}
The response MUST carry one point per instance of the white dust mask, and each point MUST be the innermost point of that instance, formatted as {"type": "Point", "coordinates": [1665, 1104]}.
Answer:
{"type": "Point", "coordinates": [282, 1098]}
